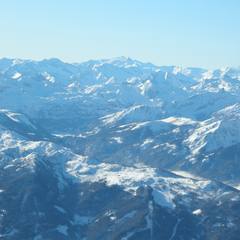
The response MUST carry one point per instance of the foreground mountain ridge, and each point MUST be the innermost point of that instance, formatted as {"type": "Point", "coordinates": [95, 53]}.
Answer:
{"type": "Point", "coordinates": [118, 149]}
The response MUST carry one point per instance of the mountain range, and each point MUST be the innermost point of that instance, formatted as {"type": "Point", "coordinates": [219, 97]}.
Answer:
{"type": "Point", "coordinates": [118, 149]}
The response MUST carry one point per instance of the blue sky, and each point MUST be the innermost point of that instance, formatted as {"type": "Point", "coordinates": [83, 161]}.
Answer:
{"type": "Point", "coordinates": [166, 32]}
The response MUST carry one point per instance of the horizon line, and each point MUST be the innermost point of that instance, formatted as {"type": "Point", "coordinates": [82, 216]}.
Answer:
{"type": "Point", "coordinates": [112, 59]}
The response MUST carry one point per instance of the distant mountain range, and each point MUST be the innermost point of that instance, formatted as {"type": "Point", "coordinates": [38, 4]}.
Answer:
{"type": "Point", "coordinates": [118, 149]}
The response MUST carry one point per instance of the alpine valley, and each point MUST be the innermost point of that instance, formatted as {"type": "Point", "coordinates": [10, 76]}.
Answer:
{"type": "Point", "coordinates": [118, 149]}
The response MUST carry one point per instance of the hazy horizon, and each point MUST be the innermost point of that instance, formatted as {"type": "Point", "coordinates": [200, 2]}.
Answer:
{"type": "Point", "coordinates": [115, 58]}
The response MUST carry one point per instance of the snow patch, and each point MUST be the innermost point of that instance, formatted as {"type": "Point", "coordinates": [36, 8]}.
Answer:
{"type": "Point", "coordinates": [179, 121]}
{"type": "Point", "coordinates": [16, 76]}
{"type": "Point", "coordinates": [117, 140]}
{"type": "Point", "coordinates": [163, 198]}
{"type": "Point", "coordinates": [63, 229]}
{"type": "Point", "coordinates": [49, 77]}
{"type": "Point", "coordinates": [197, 212]}
{"type": "Point", "coordinates": [60, 209]}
